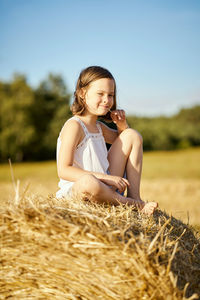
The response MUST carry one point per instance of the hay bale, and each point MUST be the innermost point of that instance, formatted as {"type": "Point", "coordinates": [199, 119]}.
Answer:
{"type": "Point", "coordinates": [80, 250]}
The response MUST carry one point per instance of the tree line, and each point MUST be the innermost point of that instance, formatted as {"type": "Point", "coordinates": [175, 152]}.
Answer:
{"type": "Point", "coordinates": [179, 131]}
{"type": "Point", "coordinates": [31, 118]}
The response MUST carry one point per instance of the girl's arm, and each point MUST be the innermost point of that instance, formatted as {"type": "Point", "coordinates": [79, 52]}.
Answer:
{"type": "Point", "coordinates": [71, 135]}
{"type": "Point", "coordinates": [119, 118]}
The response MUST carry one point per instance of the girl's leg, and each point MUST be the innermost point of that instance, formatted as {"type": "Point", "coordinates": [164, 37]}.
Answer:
{"type": "Point", "coordinates": [89, 187]}
{"type": "Point", "coordinates": [125, 155]}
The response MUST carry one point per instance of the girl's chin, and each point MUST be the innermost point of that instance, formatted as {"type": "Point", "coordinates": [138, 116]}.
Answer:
{"type": "Point", "coordinates": [103, 112]}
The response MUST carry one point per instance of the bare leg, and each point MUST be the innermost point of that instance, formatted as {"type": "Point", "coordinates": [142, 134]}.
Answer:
{"type": "Point", "coordinates": [93, 189]}
{"type": "Point", "coordinates": [89, 187]}
{"type": "Point", "coordinates": [126, 154]}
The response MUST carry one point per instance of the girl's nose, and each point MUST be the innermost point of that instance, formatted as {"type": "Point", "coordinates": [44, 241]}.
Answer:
{"type": "Point", "coordinates": [106, 99]}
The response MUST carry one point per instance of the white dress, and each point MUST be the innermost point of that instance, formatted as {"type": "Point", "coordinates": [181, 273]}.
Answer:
{"type": "Point", "coordinates": [90, 154]}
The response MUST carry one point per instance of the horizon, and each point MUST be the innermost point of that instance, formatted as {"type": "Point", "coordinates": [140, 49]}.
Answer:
{"type": "Point", "coordinates": [139, 115]}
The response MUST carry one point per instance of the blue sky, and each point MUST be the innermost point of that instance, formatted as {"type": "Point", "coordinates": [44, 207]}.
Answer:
{"type": "Point", "coordinates": [151, 47]}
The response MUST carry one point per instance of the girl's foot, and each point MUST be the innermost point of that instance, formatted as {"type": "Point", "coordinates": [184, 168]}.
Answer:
{"type": "Point", "coordinates": [149, 208]}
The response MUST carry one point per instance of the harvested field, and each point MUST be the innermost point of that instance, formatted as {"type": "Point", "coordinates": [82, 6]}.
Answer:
{"type": "Point", "coordinates": [178, 197]}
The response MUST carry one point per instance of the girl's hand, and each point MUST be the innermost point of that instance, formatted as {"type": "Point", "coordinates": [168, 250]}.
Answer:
{"type": "Point", "coordinates": [117, 182]}
{"type": "Point", "coordinates": [119, 118]}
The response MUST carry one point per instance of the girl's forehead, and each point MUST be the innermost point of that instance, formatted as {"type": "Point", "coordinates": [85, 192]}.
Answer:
{"type": "Point", "coordinates": [103, 83]}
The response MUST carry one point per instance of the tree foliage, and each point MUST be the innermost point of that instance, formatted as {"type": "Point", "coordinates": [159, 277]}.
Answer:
{"type": "Point", "coordinates": [168, 133]}
{"type": "Point", "coordinates": [31, 118]}
{"type": "Point", "coordinates": [16, 128]}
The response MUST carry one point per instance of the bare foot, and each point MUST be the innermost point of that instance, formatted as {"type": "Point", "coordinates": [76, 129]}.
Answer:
{"type": "Point", "coordinates": [149, 208]}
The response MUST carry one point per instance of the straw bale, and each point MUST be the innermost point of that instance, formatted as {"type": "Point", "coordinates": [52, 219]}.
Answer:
{"type": "Point", "coordinates": [71, 249]}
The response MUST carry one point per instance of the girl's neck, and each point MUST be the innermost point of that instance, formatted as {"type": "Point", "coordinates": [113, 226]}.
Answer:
{"type": "Point", "coordinates": [89, 119]}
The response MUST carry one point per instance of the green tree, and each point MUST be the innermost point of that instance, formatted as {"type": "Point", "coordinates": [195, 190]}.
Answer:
{"type": "Point", "coordinates": [167, 133]}
{"type": "Point", "coordinates": [16, 130]}
{"type": "Point", "coordinates": [30, 120]}
{"type": "Point", "coordinates": [49, 112]}
{"type": "Point", "coordinates": [189, 126]}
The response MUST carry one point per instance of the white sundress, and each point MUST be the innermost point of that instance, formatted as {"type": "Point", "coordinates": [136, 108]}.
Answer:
{"type": "Point", "coordinates": [90, 155]}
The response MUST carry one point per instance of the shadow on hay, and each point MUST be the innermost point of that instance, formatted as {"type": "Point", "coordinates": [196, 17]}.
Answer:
{"type": "Point", "coordinates": [186, 262]}
{"type": "Point", "coordinates": [185, 265]}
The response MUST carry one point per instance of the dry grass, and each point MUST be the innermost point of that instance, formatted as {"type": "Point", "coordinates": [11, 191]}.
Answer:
{"type": "Point", "coordinates": [172, 164]}
{"type": "Point", "coordinates": [78, 250]}
{"type": "Point", "coordinates": [179, 197]}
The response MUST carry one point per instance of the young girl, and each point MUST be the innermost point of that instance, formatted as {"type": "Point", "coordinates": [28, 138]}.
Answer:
{"type": "Point", "coordinates": [84, 165]}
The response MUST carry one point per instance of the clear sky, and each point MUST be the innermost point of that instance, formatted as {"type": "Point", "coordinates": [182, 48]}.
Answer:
{"type": "Point", "coordinates": [152, 47]}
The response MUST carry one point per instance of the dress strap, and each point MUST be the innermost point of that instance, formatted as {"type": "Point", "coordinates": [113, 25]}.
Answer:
{"type": "Point", "coordinates": [82, 124]}
{"type": "Point", "coordinates": [99, 128]}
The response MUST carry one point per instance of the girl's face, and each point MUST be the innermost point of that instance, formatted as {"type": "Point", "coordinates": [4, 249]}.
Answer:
{"type": "Point", "coordinates": [99, 97]}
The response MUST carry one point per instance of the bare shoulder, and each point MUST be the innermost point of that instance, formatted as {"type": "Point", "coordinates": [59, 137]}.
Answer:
{"type": "Point", "coordinates": [73, 129]}
{"type": "Point", "coordinates": [108, 133]}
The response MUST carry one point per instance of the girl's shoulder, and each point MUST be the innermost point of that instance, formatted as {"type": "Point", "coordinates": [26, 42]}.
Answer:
{"type": "Point", "coordinates": [71, 126]}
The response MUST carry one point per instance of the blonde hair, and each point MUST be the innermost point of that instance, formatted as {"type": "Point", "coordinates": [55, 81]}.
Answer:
{"type": "Point", "coordinates": [86, 77]}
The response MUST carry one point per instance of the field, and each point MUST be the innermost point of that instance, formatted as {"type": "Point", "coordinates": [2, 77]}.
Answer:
{"type": "Point", "coordinates": [170, 178]}
{"type": "Point", "coordinates": [77, 250]}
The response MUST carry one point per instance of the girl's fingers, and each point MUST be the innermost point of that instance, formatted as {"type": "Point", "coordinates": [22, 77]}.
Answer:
{"type": "Point", "coordinates": [122, 185]}
{"type": "Point", "coordinates": [118, 115]}
{"type": "Point", "coordinates": [121, 114]}
{"type": "Point", "coordinates": [126, 181]}
{"type": "Point", "coordinates": [121, 189]}
{"type": "Point", "coordinates": [114, 116]}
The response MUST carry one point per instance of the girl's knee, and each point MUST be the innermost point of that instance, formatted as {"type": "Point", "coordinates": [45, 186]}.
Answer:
{"type": "Point", "coordinates": [90, 185]}
{"type": "Point", "coordinates": [132, 135]}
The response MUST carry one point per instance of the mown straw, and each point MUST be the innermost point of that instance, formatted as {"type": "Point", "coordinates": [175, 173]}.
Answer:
{"type": "Point", "coordinates": [72, 249]}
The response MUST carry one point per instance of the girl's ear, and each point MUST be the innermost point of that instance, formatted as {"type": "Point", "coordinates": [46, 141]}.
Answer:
{"type": "Point", "coordinates": [82, 93]}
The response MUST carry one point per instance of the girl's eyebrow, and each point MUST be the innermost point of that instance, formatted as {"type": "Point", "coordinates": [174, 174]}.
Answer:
{"type": "Point", "coordinates": [105, 92]}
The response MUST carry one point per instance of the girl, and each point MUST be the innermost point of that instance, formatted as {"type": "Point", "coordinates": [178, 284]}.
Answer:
{"type": "Point", "coordinates": [83, 163]}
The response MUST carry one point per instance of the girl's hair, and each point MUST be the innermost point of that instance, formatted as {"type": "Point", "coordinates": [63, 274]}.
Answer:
{"type": "Point", "coordinates": [86, 77]}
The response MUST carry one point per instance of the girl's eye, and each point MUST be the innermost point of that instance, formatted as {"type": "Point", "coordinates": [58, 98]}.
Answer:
{"type": "Point", "coordinates": [100, 94]}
